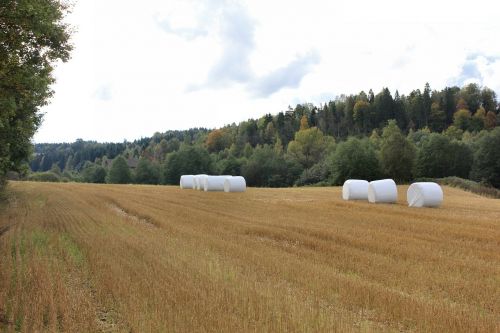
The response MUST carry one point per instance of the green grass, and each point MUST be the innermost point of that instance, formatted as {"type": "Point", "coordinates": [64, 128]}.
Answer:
{"type": "Point", "coordinates": [72, 249]}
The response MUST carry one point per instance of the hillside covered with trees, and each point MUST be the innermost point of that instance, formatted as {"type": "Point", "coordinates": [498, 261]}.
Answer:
{"type": "Point", "coordinates": [429, 133]}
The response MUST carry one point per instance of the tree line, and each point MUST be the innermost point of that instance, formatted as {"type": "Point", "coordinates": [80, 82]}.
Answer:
{"type": "Point", "coordinates": [429, 133]}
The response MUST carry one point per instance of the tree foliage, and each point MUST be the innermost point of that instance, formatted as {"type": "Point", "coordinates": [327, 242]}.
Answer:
{"type": "Point", "coordinates": [356, 159]}
{"type": "Point", "coordinates": [477, 121]}
{"type": "Point", "coordinates": [119, 173]}
{"type": "Point", "coordinates": [218, 140]}
{"type": "Point", "coordinates": [490, 120]}
{"type": "Point", "coordinates": [437, 118]}
{"type": "Point", "coordinates": [461, 119]}
{"type": "Point", "coordinates": [397, 153]}
{"type": "Point", "coordinates": [486, 167]}
{"type": "Point", "coordinates": [441, 157]}
{"type": "Point", "coordinates": [33, 37]}
{"type": "Point", "coordinates": [304, 123]}
{"type": "Point", "coordinates": [301, 144]}
{"type": "Point", "coordinates": [147, 172]}
{"type": "Point", "coordinates": [94, 173]}
{"type": "Point", "coordinates": [308, 146]}
{"type": "Point", "coordinates": [362, 115]}
{"type": "Point", "coordinates": [266, 167]}
{"type": "Point", "coordinates": [188, 160]}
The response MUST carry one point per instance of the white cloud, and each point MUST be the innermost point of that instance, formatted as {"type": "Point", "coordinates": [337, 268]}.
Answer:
{"type": "Point", "coordinates": [479, 68]}
{"type": "Point", "coordinates": [288, 76]}
{"type": "Point", "coordinates": [133, 63]}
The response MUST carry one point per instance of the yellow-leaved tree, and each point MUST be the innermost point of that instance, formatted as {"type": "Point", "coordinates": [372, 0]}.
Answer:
{"type": "Point", "coordinates": [308, 146]}
{"type": "Point", "coordinates": [304, 123]}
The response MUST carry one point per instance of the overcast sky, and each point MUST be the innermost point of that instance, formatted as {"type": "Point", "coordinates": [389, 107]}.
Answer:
{"type": "Point", "coordinates": [140, 67]}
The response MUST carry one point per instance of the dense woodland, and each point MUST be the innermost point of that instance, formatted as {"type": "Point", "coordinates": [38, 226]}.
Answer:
{"type": "Point", "coordinates": [429, 133]}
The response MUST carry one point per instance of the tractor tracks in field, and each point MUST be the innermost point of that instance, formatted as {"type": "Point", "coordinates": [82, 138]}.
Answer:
{"type": "Point", "coordinates": [134, 218]}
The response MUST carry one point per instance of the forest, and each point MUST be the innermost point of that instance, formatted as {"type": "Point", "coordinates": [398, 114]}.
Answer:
{"type": "Point", "coordinates": [425, 134]}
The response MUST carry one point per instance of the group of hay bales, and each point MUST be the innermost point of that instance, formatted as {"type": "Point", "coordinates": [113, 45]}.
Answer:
{"type": "Point", "coordinates": [422, 194]}
{"type": "Point", "coordinates": [210, 183]}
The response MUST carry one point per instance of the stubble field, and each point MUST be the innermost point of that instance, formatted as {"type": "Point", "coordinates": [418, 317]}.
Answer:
{"type": "Point", "coordinates": [124, 258]}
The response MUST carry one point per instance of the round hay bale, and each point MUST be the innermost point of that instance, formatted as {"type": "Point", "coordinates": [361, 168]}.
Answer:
{"type": "Point", "coordinates": [186, 182]}
{"type": "Point", "coordinates": [382, 191]}
{"type": "Point", "coordinates": [424, 194]}
{"type": "Point", "coordinates": [214, 183]}
{"type": "Point", "coordinates": [235, 184]}
{"type": "Point", "coordinates": [355, 189]}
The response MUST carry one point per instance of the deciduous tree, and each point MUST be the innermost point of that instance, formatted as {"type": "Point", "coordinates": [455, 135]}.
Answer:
{"type": "Point", "coordinates": [486, 165]}
{"type": "Point", "coordinates": [93, 173]}
{"type": "Point", "coordinates": [308, 146]}
{"type": "Point", "coordinates": [397, 153]}
{"type": "Point", "coordinates": [361, 116]}
{"type": "Point", "coordinates": [477, 120]}
{"type": "Point", "coordinates": [491, 120]}
{"type": "Point", "coordinates": [187, 160]}
{"type": "Point", "coordinates": [147, 172]}
{"type": "Point", "coordinates": [304, 123]}
{"type": "Point", "coordinates": [472, 96]}
{"type": "Point", "coordinates": [267, 168]}
{"type": "Point", "coordinates": [119, 173]}
{"type": "Point", "coordinates": [33, 36]}
{"type": "Point", "coordinates": [441, 157]}
{"type": "Point", "coordinates": [356, 159]}
{"type": "Point", "coordinates": [461, 119]}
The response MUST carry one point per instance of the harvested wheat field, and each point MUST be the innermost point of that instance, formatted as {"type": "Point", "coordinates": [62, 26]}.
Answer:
{"type": "Point", "coordinates": [124, 258]}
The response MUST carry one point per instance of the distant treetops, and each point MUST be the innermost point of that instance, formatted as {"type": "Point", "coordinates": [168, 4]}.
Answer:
{"type": "Point", "coordinates": [429, 133]}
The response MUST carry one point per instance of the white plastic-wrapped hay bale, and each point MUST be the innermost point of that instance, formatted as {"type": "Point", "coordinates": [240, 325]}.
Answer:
{"type": "Point", "coordinates": [196, 181]}
{"type": "Point", "coordinates": [424, 194]}
{"type": "Point", "coordinates": [355, 189]}
{"type": "Point", "coordinates": [382, 191]}
{"type": "Point", "coordinates": [187, 182]}
{"type": "Point", "coordinates": [214, 183]}
{"type": "Point", "coordinates": [235, 184]}
{"type": "Point", "coordinates": [200, 182]}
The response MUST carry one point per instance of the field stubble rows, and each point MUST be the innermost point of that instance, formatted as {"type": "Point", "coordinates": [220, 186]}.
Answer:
{"type": "Point", "coordinates": [81, 258]}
